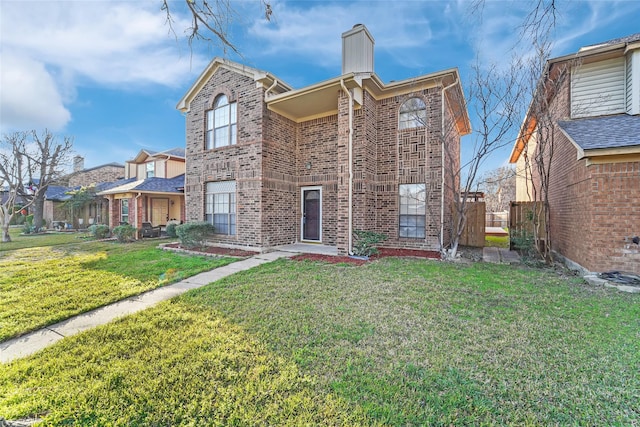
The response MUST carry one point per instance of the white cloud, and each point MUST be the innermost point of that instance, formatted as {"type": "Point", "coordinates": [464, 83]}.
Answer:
{"type": "Point", "coordinates": [313, 33]}
{"type": "Point", "coordinates": [29, 96]}
{"type": "Point", "coordinates": [50, 48]}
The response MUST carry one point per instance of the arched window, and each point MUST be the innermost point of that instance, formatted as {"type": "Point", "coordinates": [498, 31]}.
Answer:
{"type": "Point", "coordinates": [221, 123]}
{"type": "Point", "coordinates": [413, 114]}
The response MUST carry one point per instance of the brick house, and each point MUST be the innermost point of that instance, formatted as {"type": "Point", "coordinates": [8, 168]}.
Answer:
{"type": "Point", "coordinates": [55, 212]}
{"type": "Point", "coordinates": [594, 180]}
{"type": "Point", "coordinates": [152, 190]}
{"type": "Point", "coordinates": [269, 165]}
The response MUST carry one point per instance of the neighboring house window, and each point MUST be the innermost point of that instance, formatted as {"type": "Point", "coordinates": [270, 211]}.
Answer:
{"type": "Point", "coordinates": [151, 169]}
{"type": "Point", "coordinates": [413, 113]}
{"type": "Point", "coordinates": [413, 199]}
{"type": "Point", "coordinates": [221, 123]}
{"type": "Point", "coordinates": [124, 210]}
{"type": "Point", "coordinates": [220, 206]}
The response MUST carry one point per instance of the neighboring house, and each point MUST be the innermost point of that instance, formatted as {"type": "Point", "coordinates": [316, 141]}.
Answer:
{"type": "Point", "coordinates": [152, 191]}
{"type": "Point", "coordinates": [109, 172]}
{"type": "Point", "coordinates": [269, 165]}
{"type": "Point", "coordinates": [594, 189]}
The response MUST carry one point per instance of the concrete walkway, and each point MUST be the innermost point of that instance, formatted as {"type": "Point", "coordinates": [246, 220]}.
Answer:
{"type": "Point", "coordinates": [500, 256]}
{"type": "Point", "coordinates": [37, 340]}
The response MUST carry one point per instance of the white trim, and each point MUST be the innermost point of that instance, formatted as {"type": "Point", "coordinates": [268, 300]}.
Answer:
{"type": "Point", "coordinates": [302, 190]}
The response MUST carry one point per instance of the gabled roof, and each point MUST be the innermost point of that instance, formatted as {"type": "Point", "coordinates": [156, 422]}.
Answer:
{"type": "Point", "coordinates": [113, 164]}
{"type": "Point", "coordinates": [144, 154]}
{"type": "Point", "coordinates": [150, 185]}
{"type": "Point", "coordinates": [554, 67]}
{"type": "Point", "coordinates": [601, 135]}
{"type": "Point", "coordinates": [268, 80]}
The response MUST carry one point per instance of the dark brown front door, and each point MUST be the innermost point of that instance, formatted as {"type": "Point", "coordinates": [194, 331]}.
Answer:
{"type": "Point", "coordinates": [311, 215]}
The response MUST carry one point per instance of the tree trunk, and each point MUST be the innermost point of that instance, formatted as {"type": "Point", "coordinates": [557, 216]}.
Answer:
{"type": "Point", "coordinates": [6, 238]}
{"type": "Point", "coordinates": [38, 213]}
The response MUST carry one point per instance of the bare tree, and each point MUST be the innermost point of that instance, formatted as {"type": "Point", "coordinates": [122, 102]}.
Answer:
{"type": "Point", "coordinates": [495, 95]}
{"type": "Point", "coordinates": [12, 178]}
{"type": "Point", "coordinates": [548, 82]}
{"type": "Point", "coordinates": [29, 163]}
{"type": "Point", "coordinates": [210, 20]}
{"type": "Point", "coordinates": [499, 187]}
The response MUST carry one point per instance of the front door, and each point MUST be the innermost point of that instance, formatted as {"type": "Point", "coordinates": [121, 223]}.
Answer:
{"type": "Point", "coordinates": [159, 211]}
{"type": "Point", "coordinates": [312, 214]}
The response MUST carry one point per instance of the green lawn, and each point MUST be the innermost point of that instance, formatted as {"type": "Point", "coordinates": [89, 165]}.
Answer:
{"type": "Point", "coordinates": [20, 241]}
{"type": "Point", "coordinates": [394, 342]}
{"type": "Point", "coordinates": [40, 286]}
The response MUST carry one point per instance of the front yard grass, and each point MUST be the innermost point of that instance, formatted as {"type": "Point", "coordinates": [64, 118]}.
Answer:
{"type": "Point", "coordinates": [393, 342]}
{"type": "Point", "coordinates": [20, 241]}
{"type": "Point", "coordinates": [43, 285]}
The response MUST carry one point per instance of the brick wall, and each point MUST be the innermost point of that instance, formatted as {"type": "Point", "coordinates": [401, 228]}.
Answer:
{"type": "Point", "coordinates": [275, 157]}
{"type": "Point", "coordinates": [593, 208]}
{"type": "Point", "coordinates": [241, 162]}
{"type": "Point", "coordinates": [107, 173]}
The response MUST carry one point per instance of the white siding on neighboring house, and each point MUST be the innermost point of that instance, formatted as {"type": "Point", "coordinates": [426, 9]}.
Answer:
{"type": "Point", "coordinates": [633, 82]}
{"type": "Point", "coordinates": [598, 88]}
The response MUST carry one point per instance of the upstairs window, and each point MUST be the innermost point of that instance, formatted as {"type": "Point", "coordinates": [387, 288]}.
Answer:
{"type": "Point", "coordinates": [221, 123]}
{"type": "Point", "coordinates": [151, 169]}
{"type": "Point", "coordinates": [413, 114]}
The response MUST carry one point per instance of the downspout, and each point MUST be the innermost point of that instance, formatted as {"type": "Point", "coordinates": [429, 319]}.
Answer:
{"type": "Point", "coordinates": [455, 82]}
{"type": "Point", "coordinates": [275, 83]}
{"type": "Point", "coordinates": [350, 231]}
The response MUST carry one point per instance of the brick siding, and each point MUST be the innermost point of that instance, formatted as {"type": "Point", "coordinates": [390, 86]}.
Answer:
{"type": "Point", "coordinates": [593, 207]}
{"type": "Point", "coordinates": [275, 157]}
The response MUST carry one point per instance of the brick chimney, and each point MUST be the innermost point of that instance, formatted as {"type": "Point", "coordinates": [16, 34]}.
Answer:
{"type": "Point", "coordinates": [357, 50]}
{"type": "Point", "coordinates": [78, 163]}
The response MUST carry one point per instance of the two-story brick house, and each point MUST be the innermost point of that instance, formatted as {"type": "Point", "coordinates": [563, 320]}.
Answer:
{"type": "Point", "coordinates": [270, 165]}
{"type": "Point", "coordinates": [592, 98]}
{"type": "Point", "coordinates": [152, 190]}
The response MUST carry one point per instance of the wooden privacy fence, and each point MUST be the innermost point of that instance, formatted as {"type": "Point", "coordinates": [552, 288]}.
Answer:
{"type": "Point", "coordinates": [473, 233]}
{"type": "Point", "coordinates": [526, 220]}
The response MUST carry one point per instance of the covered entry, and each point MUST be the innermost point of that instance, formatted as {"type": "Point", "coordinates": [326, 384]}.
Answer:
{"type": "Point", "coordinates": [311, 221]}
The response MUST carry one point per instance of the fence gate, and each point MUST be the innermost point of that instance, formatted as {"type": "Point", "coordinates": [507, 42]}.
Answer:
{"type": "Point", "coordinates": [473, 233]}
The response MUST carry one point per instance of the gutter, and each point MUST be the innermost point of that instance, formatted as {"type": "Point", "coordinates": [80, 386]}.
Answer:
{"type": "Point", "coordinates": [455, 82]}
{"type": "Point", "coordinates": [350, 245]}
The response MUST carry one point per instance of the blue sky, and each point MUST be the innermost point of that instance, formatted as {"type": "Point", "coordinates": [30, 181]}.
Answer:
{"type": "Point", "coordinates": [110, 73]}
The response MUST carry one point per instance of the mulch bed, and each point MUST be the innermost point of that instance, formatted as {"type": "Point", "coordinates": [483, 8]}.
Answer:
{"type": "Point", "coordinates": [383, 252]}
{"type": "Point", "coordinates": [214, 250]}
{"type": "Point", "coordinates": [331, 259]}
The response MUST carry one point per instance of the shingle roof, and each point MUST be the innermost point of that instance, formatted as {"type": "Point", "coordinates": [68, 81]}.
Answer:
{"type": "Point", "coordinates": [163, 185]}
{"type": "Point", "coordinates": [626, 39]}
{"type": "Point", "coordinates": [150, 185]}
{"type": "Point", "coordinates": [58, 193]}
{"type": "Point", "coordinates": [616, 131]}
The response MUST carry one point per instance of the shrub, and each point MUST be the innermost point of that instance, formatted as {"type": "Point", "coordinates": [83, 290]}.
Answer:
{"type": "Point", "coordinates": [125, 233]}
{"type": "Point", "coordinates": [99, 231]}
{"type": "Point", "coordinates": [27, 227]}
{"type": "Point", "coordinates": [194, 234]}
{"type": "Point", "coordinates": [171, 230]}
{"type": "Point", "coordinates": [366, 241]}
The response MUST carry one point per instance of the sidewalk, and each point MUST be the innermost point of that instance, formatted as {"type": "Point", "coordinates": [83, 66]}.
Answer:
{"type": "Point", "coordinates": [30, 343]}
{"type": "Point", "coordinates": [500, 256]}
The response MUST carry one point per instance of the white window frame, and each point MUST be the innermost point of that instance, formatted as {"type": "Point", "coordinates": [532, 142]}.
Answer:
{"type": "Point", "coordinates": [416, 211]}
{"type": "Point", "coordinates": [412, 113]}
{"type": "Point", "coordinates": [124, 203]}
{"type": "Point", "coordinates": [150, 170]}
{"type": "Point", "coordinates": [222, 189]}
{"type": "Point", "coordinates": [221, 123]}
